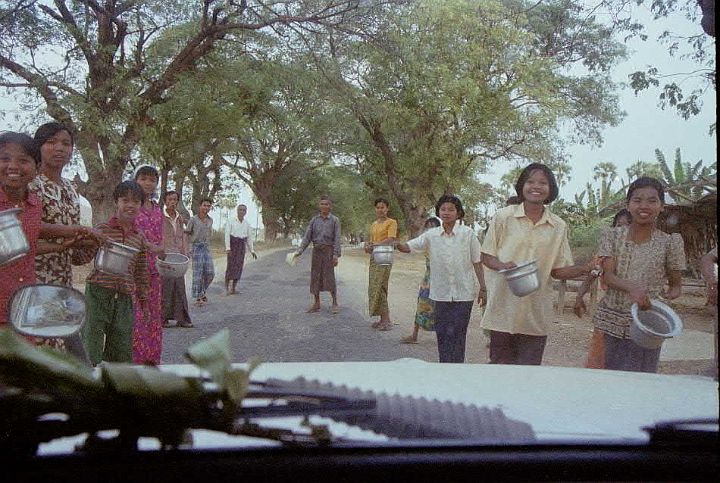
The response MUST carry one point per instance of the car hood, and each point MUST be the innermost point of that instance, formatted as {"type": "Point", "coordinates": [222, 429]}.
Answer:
{"type": "Point", "coordinates": [566, 405]}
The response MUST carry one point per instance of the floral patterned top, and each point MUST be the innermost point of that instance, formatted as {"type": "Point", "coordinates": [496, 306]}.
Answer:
{"type": "Point", "coordinates": [649, 263]}
{"type": "Point", "coordinates": [59, 206]}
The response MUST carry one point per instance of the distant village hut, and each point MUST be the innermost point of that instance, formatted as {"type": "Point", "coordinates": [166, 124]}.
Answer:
{"type": "Point", "coordinates": [696, 221]}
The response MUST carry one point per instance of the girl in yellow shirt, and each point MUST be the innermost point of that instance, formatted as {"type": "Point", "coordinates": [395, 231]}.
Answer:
{"type": "Point", "coordinates": [383, 231]}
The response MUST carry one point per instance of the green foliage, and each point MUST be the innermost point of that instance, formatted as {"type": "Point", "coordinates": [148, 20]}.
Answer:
{"type": "Point", "coordinates": [684, 178]}
{"type": "Point", "coordinates": [450, 87]}
{"type": "Point", "coordinates": [685, 97]}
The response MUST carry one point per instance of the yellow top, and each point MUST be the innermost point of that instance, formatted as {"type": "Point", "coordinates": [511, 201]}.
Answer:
{"type": "Point", "coordinates": [381, 231]}
{"type": "Point", "coordinates": [512, 237]}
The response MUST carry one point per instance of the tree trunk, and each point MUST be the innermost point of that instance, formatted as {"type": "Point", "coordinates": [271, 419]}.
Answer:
{"type": "Point", "coordinates": [272, 227]}
{"type": "Point", "coordinates": [105, 172]}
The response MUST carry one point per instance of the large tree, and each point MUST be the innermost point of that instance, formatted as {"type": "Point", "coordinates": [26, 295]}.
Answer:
{"type": "Point", "coordinates": [449, 87]}
{"type": "Point", "coordinates": [87, 61]}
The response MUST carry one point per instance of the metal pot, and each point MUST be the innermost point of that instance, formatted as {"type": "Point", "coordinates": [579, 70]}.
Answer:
{"type": "Point", "coordinates": [13, 242]}
{"type": "Point", "coordinates": [523, 279]}
{"type": "Point", "coordinates": [650, 328]}
{"type": "Point", "coordinates": [174, 266]}
{"type": "Point", "coordinates": [383, 254]}
{"type": "Point", "coordinates": [114, 258]}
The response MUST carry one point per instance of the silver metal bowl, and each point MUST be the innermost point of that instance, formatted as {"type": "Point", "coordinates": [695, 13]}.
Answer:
{"type": "Point", "coordinates": [650, 328]}
{"type": "Point", "coordinates": [114, 258]}
{"type": "Point", "coordinates": [383, 254]}
{"type": "Point", "coordinates": [175, 265]}
{"type": "Point", "coordinates": [523, 279]}
{"type": "Point", "coordinates": [13, 242]}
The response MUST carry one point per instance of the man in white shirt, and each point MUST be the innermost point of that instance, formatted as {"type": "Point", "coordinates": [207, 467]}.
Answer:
{"type": "Point", "coordinates": [238, 240]}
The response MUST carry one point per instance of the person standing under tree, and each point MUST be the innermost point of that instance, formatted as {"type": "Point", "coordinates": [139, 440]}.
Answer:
{"type": "Point", "coordinates": [238, 240]}
{"type": "Point", "coordinates": [456, 276]}
{"type": "Point", "coordinates": [383, 231]}
{"type": "Point", "coordinates": [147, 332]}
{"type": "Point", "coordinates": [324, 233]}
{"type": "Point", "coordinates": [175, 306]}
{"type": "Point", "coordinates": [424, 316]}
{"type": "Point", "coordinates": [60, 205]}
{"type": "Point", "coordinates": [200, 228]}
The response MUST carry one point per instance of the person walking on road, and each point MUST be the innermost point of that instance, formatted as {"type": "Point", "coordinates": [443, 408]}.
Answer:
{"type": "Point", "coordinates": [238, 241]}
{"type": "Point", "coordinates": [200, 228]}
{"type": "Point", "coordinates": [175, 306]}
{"type": "Point", "coordinates": [383, 231]}
{"type": "Point", "coordinates": [324, 233]}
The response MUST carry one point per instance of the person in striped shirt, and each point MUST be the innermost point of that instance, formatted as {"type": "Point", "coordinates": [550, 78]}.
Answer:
{"type": "Point", "coordinates": [108, 330]}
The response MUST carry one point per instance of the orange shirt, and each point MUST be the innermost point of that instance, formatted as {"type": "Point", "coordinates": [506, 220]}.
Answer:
{"type": "Point", "coordinates": [381, 231]}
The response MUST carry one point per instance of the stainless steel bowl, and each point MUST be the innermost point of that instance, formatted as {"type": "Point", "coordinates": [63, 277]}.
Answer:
{"type": "Point", "coordinates": [13, 242]}
{"type": "Point", "coordinates": [114, 258]}
{"type": "Point", "coordinates": [175, 265]}
{"type": "Point", "coordinates": [383, 254]}
{"type": "Point", "coordinates": [650, 328]}
{"type": "Point", "coordinates": [523, 279]}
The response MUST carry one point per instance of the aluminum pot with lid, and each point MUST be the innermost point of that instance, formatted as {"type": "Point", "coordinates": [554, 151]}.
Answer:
{"type": "Point", "coordinates": [114, 258]}
{"type": "Point", "coordinates": [523, 279]}
{"type": "Point", "coordinates": [13, 242]}
{"type": "Point", "coordinates": [383, 254]}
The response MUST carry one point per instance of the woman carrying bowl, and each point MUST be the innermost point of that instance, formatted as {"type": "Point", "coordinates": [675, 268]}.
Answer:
{"type": "Point", "coordinates": [521, 233]}
{"type": "Point", "coordinates": [637, 261]}
{"type": "Point", "coordinates": [455, 276]}
{"type": "Point", "coordinates": [60, 205]}
{"type": "Point", "coordinates": [383, 232]}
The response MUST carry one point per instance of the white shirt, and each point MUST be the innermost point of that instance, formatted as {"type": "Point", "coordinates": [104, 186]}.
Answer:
{"type": "Point", "coordinates": [238, 229]}
{"type": "Point", "coordinates": [452, 275]}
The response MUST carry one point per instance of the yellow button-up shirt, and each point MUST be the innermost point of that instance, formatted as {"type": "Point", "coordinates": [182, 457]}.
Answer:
{"type": "Point", "coordinates": [513, 237]}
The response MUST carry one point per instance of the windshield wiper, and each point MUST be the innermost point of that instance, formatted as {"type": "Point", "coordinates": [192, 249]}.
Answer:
{"type": "Point", "coordinates": [395, 416]}
{"type": "Point", "coordinates": [690, 431]}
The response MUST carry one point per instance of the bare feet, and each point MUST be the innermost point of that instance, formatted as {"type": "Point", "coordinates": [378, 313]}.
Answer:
{"type": "Point", "coordinates": [385, 326]}
{"type": "Point", "coordinates": [313, 308]}
{"type": "Point", "coordinates": [408, 340]}
{"type": "Point", "coordinates": [335, 309]}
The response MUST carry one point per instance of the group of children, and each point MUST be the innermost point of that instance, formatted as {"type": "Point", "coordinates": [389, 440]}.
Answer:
{"type": "Point", "coordinates": [125, 313]}
{"type": "Point", "coordinates": [634, 259]}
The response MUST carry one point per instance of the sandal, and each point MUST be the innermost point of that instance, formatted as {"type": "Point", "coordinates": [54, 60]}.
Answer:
{"type": "Point", "coordinates": [312, 309]}
{"type": "Point", "coordinates": [385, 326]}
{"type": "Point", "coordinates": [408, 340]}
{"type": "Point", "coordinates": [375, 324]}
{"type": "Point", "coordinates": [335, 309]}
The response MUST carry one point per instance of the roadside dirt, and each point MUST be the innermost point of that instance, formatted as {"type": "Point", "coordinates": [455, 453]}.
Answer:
{"type": "Point", "coordinates": [569, 336]}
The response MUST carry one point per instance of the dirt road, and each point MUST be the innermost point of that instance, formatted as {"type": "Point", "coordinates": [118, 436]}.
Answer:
{"type": "Point", "coordinates": [267, 319]}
